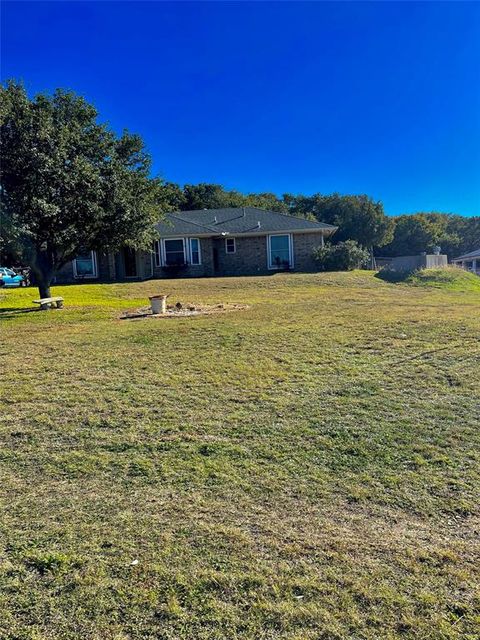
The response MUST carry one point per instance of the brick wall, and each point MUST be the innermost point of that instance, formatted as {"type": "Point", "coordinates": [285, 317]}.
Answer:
{"type": "Point", "coordinates": [250, 258]}
{"type": "Point", "coordinates": [193, 270]}
{"type": "Point", "coordinates": [303, 246]}
{"type": "Point", "coordinates": [65, 275]}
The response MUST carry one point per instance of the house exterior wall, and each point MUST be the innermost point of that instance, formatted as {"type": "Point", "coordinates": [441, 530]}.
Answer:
{"type": "Point", "coordinates": [303, 246]}
{"type": "Point", "coordinates": [192, 270]}
{"type": "Point", "coordinates": [143, 261]}
{"type": "Point", "coordinates": [109, 269]}
{"type": "Point", "coordinates": [66, 274]}
{"type": "Point", "coordinates": [250, 258]}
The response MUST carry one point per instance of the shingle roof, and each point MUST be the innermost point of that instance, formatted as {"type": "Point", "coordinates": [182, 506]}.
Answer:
{"type": "Point", "coordinates": [241, 220]}
{"type": "Point", "coordinates": [467, 256]}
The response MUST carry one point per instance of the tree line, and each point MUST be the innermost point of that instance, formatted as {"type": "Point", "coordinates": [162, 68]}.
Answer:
{"type": "Point", "coordinates": [359, 218]}
{"type": "Point", "coordinates": [69, 183]}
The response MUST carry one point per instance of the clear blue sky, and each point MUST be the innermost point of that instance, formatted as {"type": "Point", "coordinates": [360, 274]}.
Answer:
{"type": "Point", "coordinates": [380, 98]}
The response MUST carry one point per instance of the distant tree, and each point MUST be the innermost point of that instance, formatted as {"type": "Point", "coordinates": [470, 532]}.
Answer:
{"type": "Point", "coordinates": [210, 196]}
{"type": "Point", "coordinates": [358, 217]}
{"type": "Point", "coordinates": [268, 201]}
{"type": "Point", "coordinates": [69, 184]}
{"type": "Point", "coordinates": [343, 256]}
{"type": "Point", "coordinates": [418, 232]}
{"type": "Point", "coordinates": [462, 234]}
{"type": "Point", "coordinates": [173, 196]}
{"type": "Point", "coordinates": [412, 235]}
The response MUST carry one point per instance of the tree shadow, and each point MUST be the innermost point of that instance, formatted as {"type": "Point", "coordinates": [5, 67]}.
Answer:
{"type": "Point", "coordinates": [12, 312]}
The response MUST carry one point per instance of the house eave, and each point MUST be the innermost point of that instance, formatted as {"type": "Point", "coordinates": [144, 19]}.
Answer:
{"type": "Point", "coordinates": [328, 231]}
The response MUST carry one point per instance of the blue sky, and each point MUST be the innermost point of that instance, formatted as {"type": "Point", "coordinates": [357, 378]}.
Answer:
{"type": "Point", "coordinates": [380, 98]}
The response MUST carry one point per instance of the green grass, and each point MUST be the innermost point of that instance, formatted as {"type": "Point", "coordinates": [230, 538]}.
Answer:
{"type": "Point", "coordinates": [452, 278]}
{"type": "Point", "coordinates": [306, 468]}
{"type": "Point", "coordinates": [448, 278]}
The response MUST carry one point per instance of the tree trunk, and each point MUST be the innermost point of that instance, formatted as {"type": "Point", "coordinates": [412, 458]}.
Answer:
{"type": "Point", "coordinates": [44, 289]}
{"type": "Point", "coordinates": [43, 267]}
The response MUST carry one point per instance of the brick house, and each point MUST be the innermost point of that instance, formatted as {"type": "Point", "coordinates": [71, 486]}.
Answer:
{"type": "Point", "coordinates": [211, 242]}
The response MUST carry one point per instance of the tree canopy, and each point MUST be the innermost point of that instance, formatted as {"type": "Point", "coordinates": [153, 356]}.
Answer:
{"type": "Point", "coordinates": [419, 232]}
{"type": "Point", "coordinates": [69, 183]}
{"type": "Point", "coordinates": [358, 217]}
{"type": "Point", "coordinates": [214, 196]}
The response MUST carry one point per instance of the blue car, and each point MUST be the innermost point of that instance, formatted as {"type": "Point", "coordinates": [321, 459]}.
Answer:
{"type": "Point", "coordinates": [8, 278]}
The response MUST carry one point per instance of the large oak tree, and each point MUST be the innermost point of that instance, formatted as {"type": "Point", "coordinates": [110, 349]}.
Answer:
{"type": "Point", "coordinates": [69, 183]}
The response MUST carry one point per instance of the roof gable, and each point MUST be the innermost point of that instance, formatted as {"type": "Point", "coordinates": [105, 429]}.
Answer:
{"type": "Point", "coordinates": [240, 220]}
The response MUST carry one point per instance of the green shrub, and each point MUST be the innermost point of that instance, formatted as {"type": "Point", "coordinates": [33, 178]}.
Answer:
{"type": "Point", "coordinates": [344, 256]}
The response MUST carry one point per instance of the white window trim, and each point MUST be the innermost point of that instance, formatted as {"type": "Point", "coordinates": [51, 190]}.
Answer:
{"type": "Point", "coordinates": [271, 266]}
{"type": "Point", "coordinates": [151, 265]}
{"type": "Point", "coordinates": [95, 270]}
{"type": "Point", "coordinates": [189, 260]}
{"type": "Point", "coordinates": [164, 251]}
{"type": "Point", "coordinates": [234, 246]}
{"type": "Point", "coordinates": [157, 254]}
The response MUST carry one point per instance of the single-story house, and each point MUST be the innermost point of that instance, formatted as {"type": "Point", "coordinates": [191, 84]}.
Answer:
{"type": "Point", "coordinates": [469, 261]}
{"type": "Point", "coordinates": [210, 242]}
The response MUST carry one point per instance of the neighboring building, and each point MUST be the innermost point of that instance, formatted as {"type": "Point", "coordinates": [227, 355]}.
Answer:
{"type": "Point", "coordinates": [469, 261]}
{"type": "Point", "coordinates": [211, 242]}
{"type": "Point", "coordinates": [413, 263]}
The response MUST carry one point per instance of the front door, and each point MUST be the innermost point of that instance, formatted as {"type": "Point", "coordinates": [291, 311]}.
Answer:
{"type": "Point", "coordinates": [130, 262]}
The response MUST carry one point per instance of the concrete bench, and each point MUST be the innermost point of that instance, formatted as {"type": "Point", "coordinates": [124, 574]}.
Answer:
{"type": "Point", "coordinates": [46, 303]}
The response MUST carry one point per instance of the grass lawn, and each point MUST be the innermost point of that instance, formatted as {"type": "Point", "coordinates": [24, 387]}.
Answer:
{"type": "Point", "coordinates": [306, 468]}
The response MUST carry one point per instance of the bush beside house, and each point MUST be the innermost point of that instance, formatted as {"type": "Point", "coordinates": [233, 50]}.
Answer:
{"type": "Point", "coordinates": [344, 256]}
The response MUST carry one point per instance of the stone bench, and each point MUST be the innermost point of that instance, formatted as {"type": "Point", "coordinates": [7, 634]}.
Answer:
{"type": "Point", "coordinates": [47, 303]}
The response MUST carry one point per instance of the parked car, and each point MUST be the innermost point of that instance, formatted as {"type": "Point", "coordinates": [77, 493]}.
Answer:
{"type": "Point", "coordinates": [9, 278]}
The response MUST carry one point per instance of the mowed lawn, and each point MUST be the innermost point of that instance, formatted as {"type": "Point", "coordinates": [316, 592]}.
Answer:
{"type": "Point", "coordinates": [306, 468]}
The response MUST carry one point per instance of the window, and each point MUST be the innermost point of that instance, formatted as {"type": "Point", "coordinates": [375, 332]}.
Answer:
{"type": "Point", "coordinates": [174, 252]}
{"type": "Point", "coordinates": [85, 266]}
{"type": "Point", "coordinates": [230, 245]}
{"type": "Point", "coordinates": [194, 251]}
{"type": "Point", "coordinates": [279, 252]}
{"type": "Point", "coordinates": [156, 253]}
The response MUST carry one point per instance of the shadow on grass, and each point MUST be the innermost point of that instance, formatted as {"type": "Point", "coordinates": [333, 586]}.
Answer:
{"type": "Point", "coordinates": [12, 312]}
{"type": "Point", "coordinates": [389, 275]}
